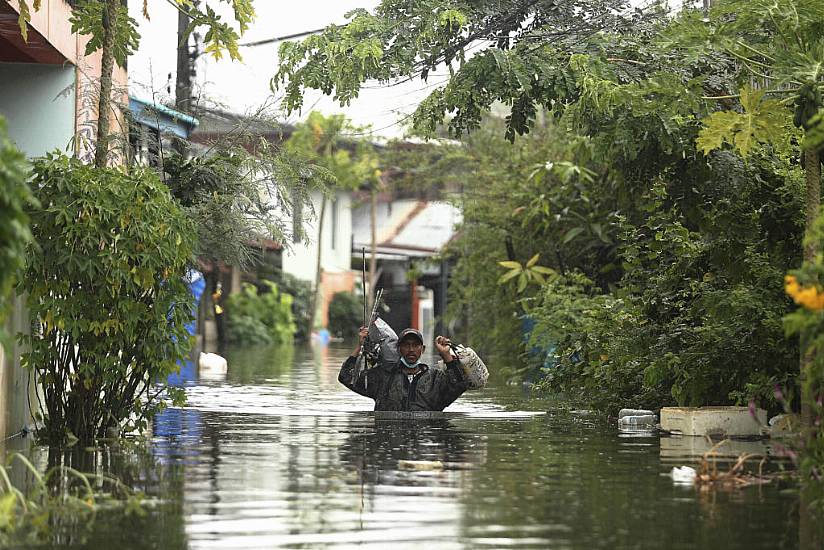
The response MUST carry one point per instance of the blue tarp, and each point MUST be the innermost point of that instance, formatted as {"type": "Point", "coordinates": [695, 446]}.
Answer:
{"type": "Point", "coordinates": [188, 369]}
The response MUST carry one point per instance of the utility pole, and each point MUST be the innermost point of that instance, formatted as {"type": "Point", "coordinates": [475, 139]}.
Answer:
{"type": "Point", "coordinates": [185, 70]}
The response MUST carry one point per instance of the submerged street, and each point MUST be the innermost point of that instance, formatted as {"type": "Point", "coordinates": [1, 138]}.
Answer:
{"type": "Point", "coordinates": [276, 453]}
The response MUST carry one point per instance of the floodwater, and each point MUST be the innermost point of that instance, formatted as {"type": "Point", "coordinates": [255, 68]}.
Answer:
{"type": "Point", "coordinates": [276, 453]}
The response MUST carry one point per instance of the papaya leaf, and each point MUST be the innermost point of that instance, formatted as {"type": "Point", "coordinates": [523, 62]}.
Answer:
{"type": "Point", "coordinates": [763, 121]}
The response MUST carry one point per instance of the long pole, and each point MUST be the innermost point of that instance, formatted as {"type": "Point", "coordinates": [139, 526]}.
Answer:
{"type": "Point", "coordinates": [373, 260]}
{"type": "Point", "coordinates": [363, 282]}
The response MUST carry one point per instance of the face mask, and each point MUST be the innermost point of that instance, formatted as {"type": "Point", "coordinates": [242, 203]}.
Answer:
{"type": "Point", "coordinates": [407, 365]}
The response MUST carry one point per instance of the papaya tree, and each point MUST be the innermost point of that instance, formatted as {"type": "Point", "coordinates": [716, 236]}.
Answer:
{"type": "Point", "coordinates": [114, 34]}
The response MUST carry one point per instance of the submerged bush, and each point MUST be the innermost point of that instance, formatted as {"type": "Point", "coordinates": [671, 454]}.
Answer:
{"type": "Point", "coordinates": [14, 223]}
{"type": "Point", "coordinates": [105, 285]}
{"type": "Point", "coordinates": [345, 314]}
{"type": "Point", "coordinates": [301, 293]}
{"type": "Point", "coordinates": [260, 317]}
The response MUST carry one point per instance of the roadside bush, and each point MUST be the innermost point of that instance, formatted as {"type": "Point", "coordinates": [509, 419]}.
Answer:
{"type": "Point", "coordinates": [260, 317]}
{"type": "Point", "coordinates": [345, 314]}
{"type": "Point", "coordinates": [105, 284]}
{"type": "Point", "coordinates": [14, 222]}
{"type": "Point", "coordinates": [301, 292]}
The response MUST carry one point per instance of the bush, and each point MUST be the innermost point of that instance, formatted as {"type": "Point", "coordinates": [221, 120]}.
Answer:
{"type": "Point", "coordinates": [14, 223]}
{"type": "Point", "coordinates": [345, 314]}
{"type": "Point", "coordinates": [301, 292]}
{"type": "Point", "coordinates": [254, 316]}
{"type": "Point", "coordinates": [105, 284]}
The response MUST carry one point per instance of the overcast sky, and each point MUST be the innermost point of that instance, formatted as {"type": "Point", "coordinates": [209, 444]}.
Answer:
{"type": "Point", "coordinates": [244, 86]}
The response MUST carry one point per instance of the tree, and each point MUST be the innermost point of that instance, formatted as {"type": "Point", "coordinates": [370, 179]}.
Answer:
{"type": "Point", "coordinates": [780, 48]}
{"type": "Point", "coordinates": [113, 314]}
{"type": "Point", "coordinates": [524, 47]}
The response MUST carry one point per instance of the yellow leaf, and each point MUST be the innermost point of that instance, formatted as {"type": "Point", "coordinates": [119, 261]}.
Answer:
{"type": "Point", "coordinates": [510, 265]}
{"type": "Point", "coordinates": [533, 260]}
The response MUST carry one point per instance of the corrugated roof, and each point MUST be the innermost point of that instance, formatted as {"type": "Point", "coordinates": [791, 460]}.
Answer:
{"type": "Point", "coordinates": [409, 228]}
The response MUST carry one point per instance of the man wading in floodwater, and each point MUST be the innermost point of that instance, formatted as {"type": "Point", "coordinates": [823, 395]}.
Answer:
{"type": "Point", "coordinates": [407, 385]}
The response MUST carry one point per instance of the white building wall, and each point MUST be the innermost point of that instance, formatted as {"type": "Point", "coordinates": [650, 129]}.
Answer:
{"type": "Point", "coordinates": [38, 103]}
{"type": "Point", "coordinates": [301, 260]}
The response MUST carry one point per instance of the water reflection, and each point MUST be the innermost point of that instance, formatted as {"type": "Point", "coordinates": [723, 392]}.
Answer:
{"type": "Point", "coordinates": [375, 448]}
{"type": "Point", "coordinates": [278, 454]}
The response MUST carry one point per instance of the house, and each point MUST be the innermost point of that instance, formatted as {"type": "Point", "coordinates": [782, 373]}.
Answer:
{"type": "Point", "coordinates": [48, 98]}
{"type": "Point", "coordinates": [150, 127]}
{"type": "Point", "coordinates": [294, 257]}
{"type": "Point", "coordinates": [410, 234]}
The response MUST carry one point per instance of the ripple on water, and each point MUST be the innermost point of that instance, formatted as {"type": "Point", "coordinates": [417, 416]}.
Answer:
{"type": "Point", "coordinates": [280, 455]}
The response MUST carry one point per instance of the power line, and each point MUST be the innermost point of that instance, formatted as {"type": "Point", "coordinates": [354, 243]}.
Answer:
{"type": "Point", "coordinates": [281, 38]}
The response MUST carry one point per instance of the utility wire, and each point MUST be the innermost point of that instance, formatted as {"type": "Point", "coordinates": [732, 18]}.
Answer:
{"type": "Point", "coordinates": [281, 38]}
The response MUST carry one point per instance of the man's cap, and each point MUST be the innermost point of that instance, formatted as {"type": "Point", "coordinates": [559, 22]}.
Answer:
{"type": "Point", "coordinates": [410, 332]}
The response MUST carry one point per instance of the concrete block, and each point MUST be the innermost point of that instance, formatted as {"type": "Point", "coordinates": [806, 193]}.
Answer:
{"type": "Point", "coordinates": [713, 421]}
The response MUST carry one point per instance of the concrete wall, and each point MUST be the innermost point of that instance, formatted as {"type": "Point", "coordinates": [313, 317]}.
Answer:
{"type": "Point", "coordinates": [301, 260]}
{"type": "Point", "coordinates": [336, 260]}
{"type": "Point", "coordinates": [38, 103]}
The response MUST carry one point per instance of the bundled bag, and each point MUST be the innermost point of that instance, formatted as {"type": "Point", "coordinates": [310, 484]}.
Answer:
{"type": "Point", "coordinates": [382, 333]}
{"type": "Point", "coordinates": [474, 368]}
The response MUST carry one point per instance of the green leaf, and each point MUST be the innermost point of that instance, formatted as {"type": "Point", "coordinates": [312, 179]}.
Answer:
{"type": "Point", "coordinates": [763, 121]}
{"type": "Point", "coordinates": [510, 265]}
{"type": "Point", "coordinates": [509, 275]}
{"type": "Point", "coordinates": [571, 234]}
{"type": "Point", "coordinates": [522, 282]}
{"type": "Point", "coordinates": [533, 260]}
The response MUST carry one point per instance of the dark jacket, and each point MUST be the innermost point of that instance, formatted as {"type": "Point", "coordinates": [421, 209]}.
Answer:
{"type": "Point", "coordinates": [431, 389]}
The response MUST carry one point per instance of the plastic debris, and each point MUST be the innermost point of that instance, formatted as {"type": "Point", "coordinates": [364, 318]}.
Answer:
{"type": "Point", "coordinates": [634, 412]}
{"type": "Point", "coordinates": [683, 475]}
{"type": "Point", "coordinates": [420, 465]}
{"type": "Point", "coordinates": [636, 422]}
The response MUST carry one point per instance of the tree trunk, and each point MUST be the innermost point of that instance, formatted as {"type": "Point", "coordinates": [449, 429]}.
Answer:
{"type": "Point", "coordinates": [104, 103]}
{"type": "Point", "coordinates": [812, 170]}
{"type": "Point", "coordinates": [317, 294]}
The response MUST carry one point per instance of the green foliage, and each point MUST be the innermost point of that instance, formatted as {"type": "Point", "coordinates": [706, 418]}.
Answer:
{"type": "Point", "coordinates": [530, 272]}
{"type": "Point", "coordinates": [807, 323]}
{"type": "Point", "coordinates": [301, 292]}
{"type": "Point", "coordinates": [345, 314]}
{"type": "Point", "coordinates": [763, 121]}
{"type": "Point", "coordinates": [517, 64]}
{"type": "Point", "coordinates": [57, 500]}
{"type": "Point", "coordinates": [105, 285]}
{"type": "Point", "coordinates": [234, 200]}
{"type": "Point", "coordinates": [327, 142]}
{"type": "Point", "coordinates": [669, 289]}
{"type": "Point", "coordinates": [219, 35]}
{"type": "Point", "coordinates": [15, 196]}
{"type": "Point", "coordinates": [88, 19]}
{"type": "Point", "coordinates": [260, 317]}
